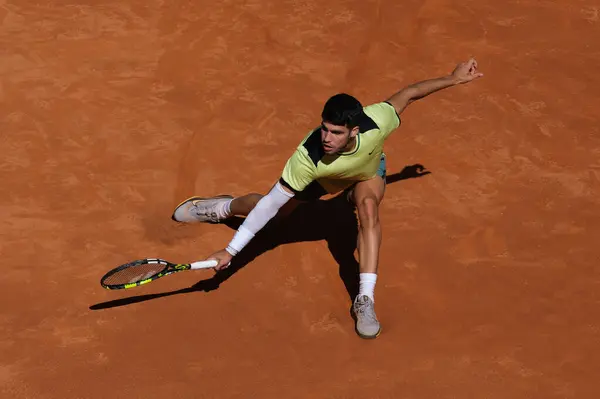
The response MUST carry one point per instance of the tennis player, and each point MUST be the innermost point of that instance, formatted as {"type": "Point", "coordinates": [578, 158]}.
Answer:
{"type": "Point", "coordinates": [344, 154]}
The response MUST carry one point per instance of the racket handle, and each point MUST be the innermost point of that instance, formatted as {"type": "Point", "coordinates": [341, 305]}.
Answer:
{"type": "Point", "coordinates": [204, 264]}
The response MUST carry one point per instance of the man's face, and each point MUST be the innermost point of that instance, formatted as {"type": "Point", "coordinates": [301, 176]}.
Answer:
{"type": "Point", "coordinates": [336, 138]}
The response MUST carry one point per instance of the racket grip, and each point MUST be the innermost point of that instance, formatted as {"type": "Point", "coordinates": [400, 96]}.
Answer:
{"type": "Point", "coordinates": [204, 264]}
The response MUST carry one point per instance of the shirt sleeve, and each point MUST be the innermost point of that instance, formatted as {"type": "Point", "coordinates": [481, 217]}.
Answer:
{"type": "Point", "coordinates": [299, 171]}
{"type": "Point", "coordinates": [385, 116]}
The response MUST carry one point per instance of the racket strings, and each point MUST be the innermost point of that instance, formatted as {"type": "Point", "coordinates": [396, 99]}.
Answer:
{"type": "Point", "coordinates": [134, 273]}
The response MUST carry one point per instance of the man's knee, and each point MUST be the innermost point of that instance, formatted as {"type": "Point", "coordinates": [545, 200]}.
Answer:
{"type": "Point", "coordinates": [368, 211]}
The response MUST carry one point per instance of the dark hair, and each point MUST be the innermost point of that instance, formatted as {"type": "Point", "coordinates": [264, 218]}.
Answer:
{"type": "Point", "coordinates": [343, 110]}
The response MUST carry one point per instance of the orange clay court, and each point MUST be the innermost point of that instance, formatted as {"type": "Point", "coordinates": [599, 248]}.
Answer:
{"type": "Point", "coordinates": [112, 112]}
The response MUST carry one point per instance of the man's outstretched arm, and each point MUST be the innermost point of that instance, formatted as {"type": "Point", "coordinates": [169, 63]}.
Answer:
{"type": "Point", "coordinates": [463, 73]}
{"type": "Point", "coordinates": [265, 210]}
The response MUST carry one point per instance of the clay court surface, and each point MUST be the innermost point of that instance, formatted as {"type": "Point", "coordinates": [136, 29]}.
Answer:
{"type": "Point", "coordinates": [111, 112]}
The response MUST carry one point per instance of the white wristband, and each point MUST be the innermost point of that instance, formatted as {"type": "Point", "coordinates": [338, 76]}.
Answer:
{"type": "Point", "coordinates": [241, 238]}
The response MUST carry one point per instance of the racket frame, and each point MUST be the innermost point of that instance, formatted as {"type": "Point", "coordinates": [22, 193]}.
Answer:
{"type": "Point", "coordinates": [169, 268]}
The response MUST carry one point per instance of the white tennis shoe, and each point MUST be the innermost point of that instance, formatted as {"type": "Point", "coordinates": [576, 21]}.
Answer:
{"type": "Point", "coordinates": [198, 209]}
{"type": "Point", "coordinates": [367, 325]}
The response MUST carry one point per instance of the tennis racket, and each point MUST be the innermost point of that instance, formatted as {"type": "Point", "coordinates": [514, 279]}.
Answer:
{"type": "Point", "coordinates": [143, 271]}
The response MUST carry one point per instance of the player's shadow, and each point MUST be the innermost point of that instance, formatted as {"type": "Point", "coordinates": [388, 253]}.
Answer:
{"type": "Point", "coordinates": [333, 220]}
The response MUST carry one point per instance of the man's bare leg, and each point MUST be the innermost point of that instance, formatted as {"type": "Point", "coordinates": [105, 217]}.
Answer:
{"type": "Point", "coordinates": [217, 209]}
{"type": "Point", "coordinates": [242, 206]}
{"type": "Point", "coordinates": [366, 196]}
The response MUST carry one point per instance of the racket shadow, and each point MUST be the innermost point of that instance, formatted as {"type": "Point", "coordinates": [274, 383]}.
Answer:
{"type": "Point", "coordinates": [311, 222]}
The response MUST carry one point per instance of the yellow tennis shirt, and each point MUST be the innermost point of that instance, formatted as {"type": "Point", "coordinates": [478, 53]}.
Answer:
{"type": "Point", "coordinates": [336, 172]}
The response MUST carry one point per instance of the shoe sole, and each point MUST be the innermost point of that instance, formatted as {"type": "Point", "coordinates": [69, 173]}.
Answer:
{"type": "Point", "coordinates": [197, 199]}
{"type": "Point", "coordinates": [368, 336]}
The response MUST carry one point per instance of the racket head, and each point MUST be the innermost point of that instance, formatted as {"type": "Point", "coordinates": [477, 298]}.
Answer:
{"type": "Point", "coordinates": [138, 272]}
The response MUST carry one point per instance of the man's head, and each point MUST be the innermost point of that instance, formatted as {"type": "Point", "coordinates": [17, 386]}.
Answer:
{"type": "Point", "coordinates": [340, 118]}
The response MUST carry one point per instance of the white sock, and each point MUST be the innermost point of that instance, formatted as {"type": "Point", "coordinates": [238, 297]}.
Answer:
{"type": "Point", "coordinates": [367, 285]}
{"type": "Point", "coordinates": [224, 209]}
